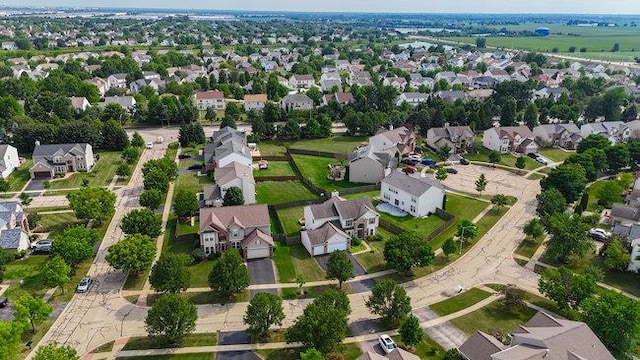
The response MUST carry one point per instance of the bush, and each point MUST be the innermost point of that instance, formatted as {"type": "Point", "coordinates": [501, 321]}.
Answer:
{"type": "Point", "coordinates": [355, 241]}
{"type": "Point", "coordinates": [213, 256]}
{"type": "Point", "coordinates": [46, 184]}
{"type": "Point", "coordinates": [376, 237]}
{"type": "Point", "coordinates": [20, 254]}
{"type": "Point", "coordinates": [198, 255]}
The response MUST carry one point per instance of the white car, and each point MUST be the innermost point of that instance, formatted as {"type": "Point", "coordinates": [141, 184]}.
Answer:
{"type": "Point", "coordinates": [386, 343]}
{"type": "Point", "coordinates": [160, 140]}
{"type": "Point", "coordinates": [541, 160]}
{"type": "Point", "coordinates": [84, 285]}
{"type": "Point", "coordinates": [599, 234]}
{"type": "Point", "coordinates": [149, 145]}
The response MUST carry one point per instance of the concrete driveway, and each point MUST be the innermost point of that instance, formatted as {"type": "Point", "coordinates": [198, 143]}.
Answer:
{"type": "Point", "coordinates": [357, 268]}
{"type": "Point", "coordinates": [35, 185]}
{"type": "Point", "coordinates": [237, 355]}
{"type": "Point", "coordinates": [261, 271]}
{"type": "Point", "coordinates": [234, 338]}
{"type": "Point", "coordinates": [371, 345]}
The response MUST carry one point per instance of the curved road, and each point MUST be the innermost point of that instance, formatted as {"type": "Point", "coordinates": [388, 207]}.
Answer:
{"type": "Point", "coordinates": [102, 315]}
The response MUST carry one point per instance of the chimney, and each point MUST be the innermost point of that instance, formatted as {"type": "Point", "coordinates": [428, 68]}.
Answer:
{"type": "Point", "coordinates": [37, 142]}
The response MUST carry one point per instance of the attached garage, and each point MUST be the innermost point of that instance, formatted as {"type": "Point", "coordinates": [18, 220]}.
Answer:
{"type": "Point", "coordinates": [41, 171]}
{"type": "Point", "coordinates": [258, 253]}
{"type": "Point", "coordinates": [325, 239]}
{"type": "Point", "coordinates": [337, 245]}
{"type": "Point", "coordinates": [41, 175]}
{"type": "Point", "coordinates": [257, 245]}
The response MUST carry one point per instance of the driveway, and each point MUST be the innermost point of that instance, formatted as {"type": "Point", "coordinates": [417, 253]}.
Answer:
{"type": "Point", "coordinates": [35, 185]}
{"type": "Point", "coordinates": [357, 268]}
{"type": "Point", "coordinates": [261, 271]}
{"type": "Point", "coordinates": [445, 334]}
{"type": "Point", "coordinates": [234, 338]}
{"type": "Point", "coordinates": [237, 355]}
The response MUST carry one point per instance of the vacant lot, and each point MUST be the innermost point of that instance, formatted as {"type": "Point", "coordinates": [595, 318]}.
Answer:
{"type": "Point", "coordinates": [316, 169]}
{"type": "Point", "coordinates": [278, 192]}
{"type": "Point", "coordinates": [101, 175]}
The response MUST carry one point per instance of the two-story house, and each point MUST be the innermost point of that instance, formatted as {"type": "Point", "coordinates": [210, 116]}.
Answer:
{"type": "Point", "coordinates": [457, 138]}
{"type": "Point", "coordinates": [412, 98]}
{"type": "Point", "coordinates": [53, 159]}
{"type": "Point", "coordinates": [400, 138]}
{"type": "Point", "coordinates": [117, 81]}
{"type": "Point", "coordinates": [210, 99]}
{"type": "Point", "coordinates": [301, 81]}
{"type": "Point", "coordinates": [9, 160]}
{"type": "Point", "coordinates": [329, 226]}
{"type": "Point", "coordinates": [246, 228]}
{"type": "Point", "coordinates": [504, 139]}
{"type": "Point", "coordinates": [615, 131]}
{"type": "Point", "coordinates": [126, 102]}
{"type": "Point", "coordinates": [14, 226]}
{"type": "Point", "coordinates": [255, 101]}
{"type": "Point", "coordinates": [566, 136]}
{"type": "Point", "coordinates": [417, 196]}
{"type": "Point", "coordinates": [296, 102]}
{"type": "Point", "coordinates": [233, 174]}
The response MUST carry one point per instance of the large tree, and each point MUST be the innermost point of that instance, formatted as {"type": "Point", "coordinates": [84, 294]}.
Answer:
{"type": "Point", "coordinates": [92, 203]}
{"type": "Point", "coordinates": [595, 141]}
{"type": "Point", "coordinates": [171, 317]}
{"type": "Point", "coordinates": [171, 273]}
{"type": "Point", "coordinates": [228, 274]}
{"type": "Point", "coordinates": [74, 245]}
{"type": "Point", "coordinates": [566, 288]}
{"type": "Point", "coordinates": [618, 156]}
{"type": "Point", "coordinates": [55, 351]}
{"type": "Point", "coordinates": [550, 202]}
{"type": "Point", "coordinates": [142, 221]}
{"type": "Point", "coordinates": [233, 197]}
{"type": "Point", "coordinates": [113, 136]}
{"type": "Point", "coordinates": [570, 180]}
{"type": "Point", "coordinates": [151, 199]}
{"type": "Point", "coordinates": [133, 254]}
{"type": "Point", "coordinates": [569, 237]}
{"type": "Point", "coordinates": [616, 256]}
{"type": "Point", "coordinates": [390, 301]}
{"type": "Point", "coordinates": [10, 333]}
{"type": "Point", "coordinates": [56, 273]}
{"type": "Point", "coordinates": [156, 179]}
{"type": "Point", "coordinates": [466, 230]}
{"type": "Point", "coordinates": [33, 310]}
{"type": "Point", "coordinates": [406, 250]}
{"type": "Point", "coordinates": [533, 228]}
{"type": "Point", "coordinates": [263, 311]}
{"type": "Point", "coordinates": [339, 267]}
{"type": "Point", "coordinates": [185, 203]}
{"type": "Point", "coordinates": [191, 133]}
{"type": "Point", "coordinates": [411, 332]}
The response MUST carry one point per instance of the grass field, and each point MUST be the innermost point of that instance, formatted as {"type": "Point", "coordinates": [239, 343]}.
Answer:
{"type": "Point", "coordinates": [374, 261]}
{"type": "Point", "coordinates": [462, 208]}
{"type": "Point", "coordinates": [101, 174]}
{"type": "Point", "coordinates": [19, 177]}
{"type": "Point", "coordinates": [55, 223]}
{"type": "Point", "coordinates": [276, 168]}
{"type": "Point", "coordinates": [290, 219]}
{"type": "Point", "coordinates": [505, 159]}
{"type": "Point", "coordinates": [349, 352]}
{"type": "Point", "coordinates": [555, 154]}
{"type": "Point", "coordinates": [292, 260]}
{"type": "Point", "coordinates": [493, 318]}
{"type": "Point", "coordinates": [594, 192]}
{"type": "Point", "coordinates": [278, 192]}
{"type": "Point", "coordinates": [459, 302]}
{"type": "Point", "coordinates": [191, 340]}
{"type": "Point", "coordinates": [315, 169]}
{"type": "Point", "coordinates": [420, 226]}
{"type": "Point", "coordinates": [338, 144]}
{"type": "Point", "coordinates": [529, 246]}
{"type": "Point", "coordinates": [273, 147]}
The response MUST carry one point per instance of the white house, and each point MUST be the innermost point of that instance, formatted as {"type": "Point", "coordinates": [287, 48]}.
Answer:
{"type": "Point", "coordinates": [9, 160]}
{"type": "Point", "coordinates": [325, 239]}
{"type": "Point", "coordinates": [412, 98]}
{"type": "Point", "coordinates": [80, 103]}
{"type": "Point", "coordinates": [210, 99]}
{"type": "Point", "coordinates": [14, 226]}
{"type": "Point", "coordinates": [504, 139]}
{"type": "Point", "coordinates": [117, 81]}
{"type": "Point", "coordinates": [634, 263]}
{"type": "Point", "coordinates": [301, 81]}
{"type": "Point", "coordinates": [615, 131]}
{"type": "Point", "coordinates": [255, 101]}
{"type": "Point", "coordinates": [233, 174]}
{"type": "Point", "coordinates": [418, 196]}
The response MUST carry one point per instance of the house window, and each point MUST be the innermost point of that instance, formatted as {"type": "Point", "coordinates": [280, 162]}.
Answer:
{"type": "Point", "coordinates": [372, 220]}
{"type": "Point", "coordinates": [209, 236]}
{"type": "Point", "coordinates": [236, 244]}
{"type": "Point", "coordinates": [413, 199]}
{"type": "Point", "coordinates": [387, 196]}
{"type": "Point", "coordinates": [412, 208]}
{"type": "Point", "coordinates": [348, 223]}
{"type": "Point", "coordinates": [235, 233]}
{"type": "Point", "coordinates": [57, 159]}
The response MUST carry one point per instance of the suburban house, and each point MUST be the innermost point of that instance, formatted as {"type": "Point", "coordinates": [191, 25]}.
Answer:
{"type": "Point", "coordinates": [542, 337]}
{"type": "Point", "coordinates": [458, 138]}
{"type": "Point", "coordinates": [54, 159]}
{"type": "Point", "coordinates": [400, 138]}
{"type": "Point", "coordinates": [504, 139]}
{"type": "Point", "coordinates": [79, 103]}
{"type": "Point", "coordinates": [296, 102]}
{"type": "Point", "coordinates": [342, 98]}
{"type": "Point", "coordinates": [418, 196]}
{"type": "Point", "coordinates": [395, 354]}
{"type": "Point", "coordinates": [634, 262]}
{"type": "Point", "coordinates": [210, 99]}
{"type": "Point", "coordinates": [336, 218]}
{"type": "Point", "coordinates": [9, 160]}
{"type": "Point", "coordinates": [301, 81]}
{"type": "Point", "coordinates": [228, 145]}
{"type": "Point", "coordinates": [245, 227]}
{"type": "Point", "coordinates": [233, 174]}
{"type": "Point", "coordinates": [255, 102]}
{"type": "Point", "coordinates": [101, 84]}
{"type": "Point", "coordinates": [14, 227]}
{"type": "Point", "coordinates": [117, 81]}
{"type": "Point", "coordinates": [125, 102]}
{"type": "Point", "coordinates": [615, 131]}
{"type": "Point", "coordinates": [412, 98]}
{"type": "Point", "coordinates": [566, 136]}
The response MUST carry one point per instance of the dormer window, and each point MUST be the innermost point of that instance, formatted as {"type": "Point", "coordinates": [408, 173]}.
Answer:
{"type": "Point", "coordinates": [57, 159]}
{"type": "Point", "coordinates": [235, 233]}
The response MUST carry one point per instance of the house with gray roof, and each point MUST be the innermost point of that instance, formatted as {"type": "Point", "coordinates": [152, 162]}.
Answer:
{"type": "Point", "coordinates": [542, 337]}
{"type": "Point", "coordinates": [14, 226]}
{"type": "Point", "coordinates": [418, 196]}
{"type": "Point", "coordinates": [125, 102]}
{"type": "Point", "coordinates": [566, 136]}
{"type": "Point", "coordinates": [457, 138]}
{"type": "Point", "coordinates": [9, 160]}
{"type": "Point", "coordinates": [325, 239]}
{"type": "Point", "coordinates": [233, 174]}
{"type": "Point", "coordinates": [54, 159]}
{"type": "Point", "coordinates": [615, 131]}
{"type": "Point", "coordinates": [296, 102]}
{"type": "Point", "coordinates": [368, 164]}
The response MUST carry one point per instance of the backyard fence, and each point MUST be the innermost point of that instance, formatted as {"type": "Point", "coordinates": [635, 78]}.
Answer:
{"type": "Point", "coordinates": [440, 229]}
{"type": "Point", "coordinates": [275, 178]}
{"type": "Point", "coordinates": [291, 204]}
{"type": "Point", "coordinates": [272, 158]}
{"type": "Point", "coordinates": [391, 227]}
{"type": "Point", "coordinates": [360, 189]}
{"type": "Point", "coordinates": [337, 156]}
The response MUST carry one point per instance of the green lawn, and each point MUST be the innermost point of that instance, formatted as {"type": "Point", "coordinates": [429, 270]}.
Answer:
{"type": "Point", "coordinates": [55, 223]}
{"type": "Point", "coordinates": [556, 154]}
{"type": "Point", "coordinates": [426, 349]}
{"type": "Point", "coordinates": [349, 352]}
{"type": "Point", "coordinates": [290, 218]}
{"type": "Point", "coordinates": [24, 268]}
{"type": "Point", "coordinates": [172, 150]}
{"type": "Point", "coordinates": [459, 302]}
{"type": "Point", "coordinates": [101, 175]}
{"type": "Point", "coordinates": [184, 164]}
{"type": "Point", "coordinates": [625, 281]}
{"type": "Point", "coordinates": [373, 261]}
{"type": "Point", "coordinates": [372, 195]}
{"type": "Point", "coordinates": [191, 340]}
{"type": "Point", "coordinates": [198, 356]}
{"type": "Point", "coordinates": [19, 177]}
{"type": "Point", "coordinates": [594, 192]}
{"type": "Point", "coordinates": [278, 192]}
{"type": "Point", "coordinates": [192, 182]}
{"type": "Point", "coordinates": [493, 319]}
{"type": "Point", "coordinates": [338, 144]}
{"type": "Point", "coordinates": [272, 148]}
{"type": "Point", "coordinates": [529, 246]}
{"type": "Point", "coordinates": [315, 169]}
{"type": "Point", "coordinates": [462, 208]}
{"type": "Point", "coordinates": [420, 226]}
{"type": "Point", "coordinates": [505, 159]}
{"type": "Point", "coordinates": [292, 260]}
{"type": "Point", "coordinates": [276, 168]}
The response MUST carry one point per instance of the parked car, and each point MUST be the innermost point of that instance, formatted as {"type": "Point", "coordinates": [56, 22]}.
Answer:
{"type": "Point", "coordinates": [386, 343]}
{"type": "Point", "coordinates": [159, 140]}
{"type": "Point", "coordinates": [416, 157]}
{"type": "Point", "coordinates": [599, 234]}
{"type": "Point", "coordinates": [464, 161]}
{"type": "Point", "coordinates": [452, 171]}
{"type": "Point", "coordinates": [149, 145]}
{"type": "Point", "coordinates": [4, 302]}
{"type": "Point", "coordinates": [42, 246]}
{"type": "Point", "coordinates": [409, 169]}
{"type": "Point", "coordinates": [184, 156]}
{"type": "Point", "coordinates": [195, 167]}
{"type": "Point", "coordinates": [533, 155]}
{"type": "Point", "coordinates": [84, 285]}
{"type": "Point", "coordinates": [541, 160]}
{"type": "Point", "coordinates": [409, 161]}
{"type": "Point", "coordinates": [428, 162]}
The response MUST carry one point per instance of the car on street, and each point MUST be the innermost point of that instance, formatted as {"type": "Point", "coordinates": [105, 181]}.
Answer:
{"type": "Point", "coordinates": [195, 167]}
{"type": "Point", "coordinates": [386, 343]}
{"type": "Point", "coordinates": [41, 246]}
{"type": "Point", "coordinates": [159, 140]}
{"type": "Point", "coordinates": [428, 162]}
{"type": "Point", "coordinates": [542, 160]}
{"type": "Point", "coordinates": [452, 171]}
{"type": "Point", "coordinates": [4, 302]}
{"type": "Point", "coordinates": [409, 169]}
{"type": "Point", "coordinates": [409, 161]}
{"type": "Point", "coordinates": [84, 284]}
{"type": "Point", "coordinates": [416, 157]}
{"type": "Point", "coordinates": [599, 234]}
{"type": "Point", "coordinates": [184, 156]}
{"type": "Point", "coordinates": [149, 145]}
{"type": "Point", "coordinates": [464, 161]}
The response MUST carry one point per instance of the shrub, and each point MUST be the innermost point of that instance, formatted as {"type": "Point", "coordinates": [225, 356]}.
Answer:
{"type": "Point", "coordinates": [20, 254]}
{"type": "Point", "coordinates": [198, 255]}
{"type": "Point", "coordinates": [46, 184]}
{"type": "Point", "coordinates": [355, 241]}
{"type": "Point", "coordinates": [213, 255]}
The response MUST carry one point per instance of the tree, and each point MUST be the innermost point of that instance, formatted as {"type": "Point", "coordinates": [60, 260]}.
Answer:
{"type": "Point", "coordinates": [550, 202]}
{"type": "Point", "coordinates": [453, 354]}
{"type": "Point", "coordinates": [615, 319]}
{"type": "Point", "coordinates": [171, 317]}
{"type": "Point", "coordinates": [569, 238]}
{"type": "Point", "coordinates": [449, 246]}
{"type": "Point", "coordinates": [508, 113]}
{"type": "Point", "coordinates": [531, 116]}
{"type": "Point", "coordinates": [311, 354]}
{"type": "Point", "coordinates": [228, 121]}
{"type": "Point", "coordinates": [228, 274]}
{"type": "Point", "coordinates": [616, 256]}
{"type": "Point", "coordinates": [339, 267]}
{"type": "Point", "coordinates": [410, 331]}
{"type": "Point", "coordinates": [32, 309]}
{"type": "Point", "coordinates": [185, 203]}
{"type": "Point", "coordinates": [444, 152]}
{"type": "Point", "coordinates": [406, 250]}
{"type": "Point", "coordinates": [263, 311]}
{"type": "Point", "coordinates": [142, 221]}
{"type": "Point", "coordinates": [55, 351]}
{"type": "Point", "coordinates": [441, 174]}
{"type": "Point", "coordinates": [390, 301]}
{"type": "Point", "coordinates": [499, 200]}
{"type": "Point", "coordinates": [618, 156]}
{"type": "Point", "coordinates": [123, 170]}
{"type": "Point", "coordinates": [494, 157]}
{"type": "Point", "coordinates": [466, 230]}
{"type": "Point", "coordinates": [137, 140]}
{"type": "Point", "coordinates": [130, 154]}
{"type": "Point", "coordinates": [133, 254]}
{"type": "Point", "coordinates": [609, 193]}
{"type": "Point", "coordinates": [570, 180]}
{"type": "Point", "coordinates": [323, 324]}
{"type": "Point", "coordinates": [171, 273]}
{"type": "Point", "coordinates": [565, 288]}
{"type": "Point", "coordinates": [481, 183]}
{"type": "Point", "coordinates": [165, 165]}
{"type": "Point", "coordinates": [56, 273]}
{"type": "Point", "coordinates": [92, 203]}
{"type": "Point", "coordinates": [156, 179]}
{"type": "Point", "coordinates": [520, 162]}
{"type": "Point", "coordinates": [113, 136]}
{"type": "Point", "coordinates": [584, 202]}
{"type": "Point", "coordinates": [74, 245]}
{"type": "Point", "coordinates": [481, 42]}
{"type": "Point", "coordinates": [233, 197]}
{"type": "Point", "coordinates": [150, 199]}
{"type": "Point", "coordinates": [533, 228]}
{"type": "Point", "coordinates": [593, 141]}
{"type": "Point", "coordinates": [300, 280]}
{"type": "Point", "coordinates": [10, 333]}
{"type": "Point", "coordinates": [290, 130]}
{"type": "Point", "coordinates": [191, 133]}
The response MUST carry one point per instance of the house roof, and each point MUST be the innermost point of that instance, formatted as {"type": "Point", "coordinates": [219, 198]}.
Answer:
{"type": "Point", "coordinates": [256, 234]}
{"type": "Point", "coordinates": [415, 186]}
{"type": "Point", "coordinates": [12, 206]}
{"type": "Point", "coordinates": [232, 171]}
{"type": "Point", "coordinates": [10, 238]}
{"type": "Point", "coordinates": [78, 101]}
{"type": "Point", "coordinates": [452, 132]}
{"type": "Point", "coordinates": [209, 95]}
{"type": "Point", "coordinates": [399, 135]}
{"type": "Point", "coordinates": [320, 235]}
{"type": "Point", "coordinates": [400, 354]}
{"type": "Point", "coordinates": [552, 129]}
{"type": "Point", "coordinates": [246, 216]}
{"type": "Point", "coordinates": [512, 131]}
{"type": "Point", "coordinates": [124, 101]}
{"type": "Point", "coordinates": [232, 147]}
{"type": "Point", "coordinates": [211, 192]}
{"type": "Point", "coordinates": [625, 212]}
{"type": "Point", "coordinates": [304, 77]}
{"type": "Point", "coordinates": [481, 346]}
{"type": "Point", "coordinates": [50, 149]}
{"type": "Point", "coordinates": [346, 209]}
{"type": "Point", "coordinates": [383, 156]}
{"type": "Point", "coordinates": [226, 133]}
{"type": "Point", "coordinates": [368, 355]}
{"type": "Point", "coordinates": [255, 97]}
{"type": "Point", "coordinates": [296, 98]}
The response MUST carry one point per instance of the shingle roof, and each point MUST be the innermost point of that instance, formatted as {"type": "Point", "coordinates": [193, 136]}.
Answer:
{"type": "Point", "coordinates": [415, 186]}
{"type": "Point", "coordinates": [320, 235]}
{"type": "Point", "coordinates": [400, 354]}
{"type": "Point", "coordinates": [209, 95]}
{"type": "Point", "coordinates": [10, 238]}
{"type": "Point", "coordinates": [230, 172]}
{"type": "Point", "coordinates": [480, 346]}
{"type": "Point", "coordinates": [246, 216]}
{"type": "Point", "coordinates": [371, 356]}
{"type": "Point", "coordinates": [48, 150]}
{"type": "Point", "coordinates": [256, 233]}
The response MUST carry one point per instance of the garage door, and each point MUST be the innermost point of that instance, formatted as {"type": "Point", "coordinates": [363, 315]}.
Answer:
{"type": "Point", "coordinates": [41, 174]}
{"type": "Point", "coordinates": [257, 253]}
{"type": "Point", "coordinates": [318, 250]}
{"type": "Point", "coordinates": [337, 246]}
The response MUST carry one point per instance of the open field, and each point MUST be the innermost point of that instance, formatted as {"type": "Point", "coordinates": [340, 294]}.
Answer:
{"type": "Point", "coordinates": [278, 192]}
{"type": "Point", "coordinates": [101, 174]}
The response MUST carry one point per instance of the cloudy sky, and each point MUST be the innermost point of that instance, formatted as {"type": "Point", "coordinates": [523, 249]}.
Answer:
{"type": "Point", "coordinates": [423, 6]}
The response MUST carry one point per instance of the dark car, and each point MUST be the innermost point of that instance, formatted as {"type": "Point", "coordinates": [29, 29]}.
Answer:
{"type": "Point", "coordinates": [195, 167]}
{"type": "Point", "coordinates": [4, 302]}
{"type": "Point", "coordinates": [452, 171]}
{"type": "Point", "coordinates": [464, 161]}
{"type": "Point", "coordinates": [184, 156]}
{"type": "Point", "coordinates": [411, 162]}
{"type": "Point", "coordinates": [428, 162]}
{"type": "Point", "coordinates": [532, 155]}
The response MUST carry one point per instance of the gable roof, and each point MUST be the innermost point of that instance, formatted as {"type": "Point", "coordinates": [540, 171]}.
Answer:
{"type": "Point", "coordinates": [10, 238]}
{"type": "Point", "coordinates": [50, 149]}
{"type": "Point", "coordinates": [512, 131]}
{"type": "Point", "coordinates": [346, 209]}
{"type": "Point", "coordinates": [232, 171]}
{"type": "Point", "coordinates": [400, 354]}
{"type": "Point", "coordinates": [209, 95]}
{"type": "Point", "coordinates": [256, 234]}
{"type": "Point", "coordinates": [320, 235]}
{"type": "Point", "coordinates": [481, 346]}
{"type": "Point", "coordinates": [246, 216]}
{"type": "Point", "coordinates": [255, 97]}
{"type": "Point", "coordinates": [415, 186]}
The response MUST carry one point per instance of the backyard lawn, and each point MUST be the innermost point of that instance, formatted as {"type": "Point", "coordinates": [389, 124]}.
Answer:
{"type": "Point", "coordinates": [427, 349]}
{"type": "Point", "coordinates": [594, 193]}
{"type": "Point", "coordinates": [338, 144]}
{"type": "Point", "coordinates": [555, 154]}
{"type": "Point", "coordinates": [19, 177]}
{"type": "Point", "coordinates": [462, 208]}
{"type": "Point", "coordinates": [101, 175]}
{"type": "Point", "coordinates": [459, 302]}
{"type": "Point", "coordinates": [276, 168]}
{"type": "Point", "coordinates": [192, 182]}
{"type": "Point", "coordinates": [420, 226]}
{"type": "Point", "coordinates": [278, 192]}
{"type": "Point", "coordinates": [290, 219]}
{"type": "Point", "coordinates": [272, 148]}
{"type": "Point", "coordinates": [374, 261]}
{"type": "Point", "coordinates": [292, 260]}
{"type": "Point", "coordinates": [493, 318]}
{"type": "Point", "coordinates": [55, 223]}
{"type": "Point", "coordinates": [315, 169]}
